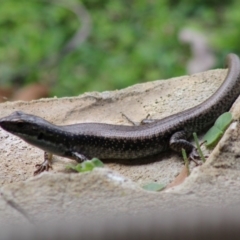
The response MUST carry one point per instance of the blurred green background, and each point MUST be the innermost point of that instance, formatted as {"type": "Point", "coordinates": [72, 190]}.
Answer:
{"type": "Point", "coordinates": [119, 43]}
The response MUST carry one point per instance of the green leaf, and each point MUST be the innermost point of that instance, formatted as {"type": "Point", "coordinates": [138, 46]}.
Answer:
{"type": "Point", "coordinates": [86, 166]}
{"type": "Point", "coordinates": [216, 131]}
{"type": "Point", "coordinates": [223, 121]}
{"type": "Point", "coordinates": [186, 161]}
{"type": "Point", "coordinates": [97, 163]}
{"type": "Point", "coordinates": [212, 136]}
{"type": "Point", "coordinates": [198, 147]}
{"type": "Point", "coordinates": [153, 187]}
{"type": "Point", "coordinates": [76, 168]}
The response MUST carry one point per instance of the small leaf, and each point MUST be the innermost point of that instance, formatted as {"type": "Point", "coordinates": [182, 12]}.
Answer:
{"type": "Point", "coordinates": [74, 167]}
{"type": "Point", "coordinates": [186, 161]}
{"type": "Point", "coordinates": [153, 187]}
{"type": "Point", "coordinates": [78, 167]}
{"type": "Point", "coordinates": [86, 166]}
{"type": "Point", "coordinates": [212, 136]}
{"type": "Point", "coordinates": [223, 121]}
{"type": "Point", "coordinates": [216, 131]}
{"type": "Point", "coordinates": [97, 163]}
{"type": "Point", "coordinates": [199, 147]}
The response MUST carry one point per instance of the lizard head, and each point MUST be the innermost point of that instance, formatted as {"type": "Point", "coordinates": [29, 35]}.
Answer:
{"type": "Point", "coordinates": [32, 129]}
{"type": "Point", "coordinates": [19, 123]}
{"type": "Point", "coordinates": [23, 124]}
{"type": "Point", "coordinates": [29, 127]}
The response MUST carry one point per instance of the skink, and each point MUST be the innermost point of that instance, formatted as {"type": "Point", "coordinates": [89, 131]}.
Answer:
{"type": "Point", "coordinates": [106, 141]}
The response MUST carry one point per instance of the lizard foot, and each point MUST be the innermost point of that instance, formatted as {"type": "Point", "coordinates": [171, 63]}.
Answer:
{"type": "Point", "coordinates": [194, 155]}
{"type": "Point", "coordinates": [45, 166]}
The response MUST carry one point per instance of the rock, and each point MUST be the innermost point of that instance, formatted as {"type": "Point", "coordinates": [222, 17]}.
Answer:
{"type": "Point", "coordinates": [116, 189]}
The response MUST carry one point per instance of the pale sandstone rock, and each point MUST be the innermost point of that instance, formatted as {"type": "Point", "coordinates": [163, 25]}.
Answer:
{"type": "Point", "coordinates": [116, 189]}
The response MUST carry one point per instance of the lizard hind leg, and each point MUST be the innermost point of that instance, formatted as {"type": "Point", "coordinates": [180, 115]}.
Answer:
{"type": "Point", "coordinates": [178, 142]}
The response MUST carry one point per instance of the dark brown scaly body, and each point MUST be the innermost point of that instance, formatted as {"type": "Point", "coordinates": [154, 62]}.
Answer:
{"type": "Point", "coordinates": [105, 141]}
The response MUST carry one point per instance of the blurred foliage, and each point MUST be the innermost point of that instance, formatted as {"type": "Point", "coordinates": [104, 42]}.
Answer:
{"type": "Point", "coordinates": [129, 42]}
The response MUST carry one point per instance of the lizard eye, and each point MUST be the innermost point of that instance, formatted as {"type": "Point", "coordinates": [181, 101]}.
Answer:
{"type": "Point", "coordinates": [40, 136]}
{"type": "Point", "coordinates": [19, 124]}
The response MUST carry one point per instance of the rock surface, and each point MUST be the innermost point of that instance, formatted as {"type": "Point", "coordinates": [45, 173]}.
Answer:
{"type": "Point", "coordinates": [116, 189]}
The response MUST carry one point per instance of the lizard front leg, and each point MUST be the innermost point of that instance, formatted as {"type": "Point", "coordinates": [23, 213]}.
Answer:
{"type": "Point", "coordinates": [79, 157]}
{"type": "Point", "coordinates": [46, 165]}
